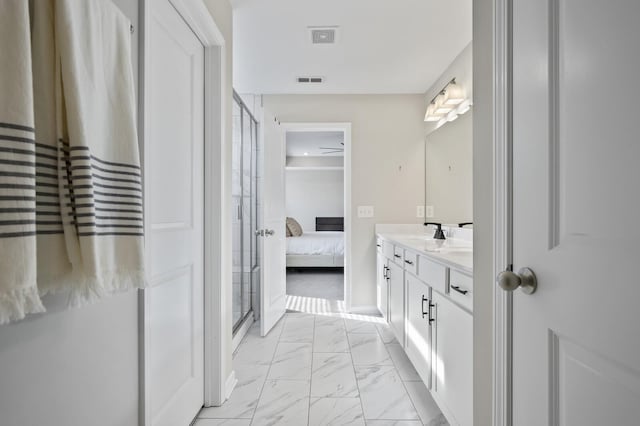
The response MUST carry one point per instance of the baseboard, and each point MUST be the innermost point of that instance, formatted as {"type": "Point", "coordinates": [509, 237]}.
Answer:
{"type": "Point", "coordinates": [365, 310]}
{"type": "Point", "coordinates": [230, 384]}
{"type": "Point", "coordinates": [241, 332]}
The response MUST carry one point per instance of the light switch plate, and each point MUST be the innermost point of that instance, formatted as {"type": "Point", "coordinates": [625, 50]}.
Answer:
{"type": "Point", "coordinates": [365, 211]}
{"type": "Point", "coordinates": [430, 212]}
{"type": "Point", "coordinates": [420, 211]}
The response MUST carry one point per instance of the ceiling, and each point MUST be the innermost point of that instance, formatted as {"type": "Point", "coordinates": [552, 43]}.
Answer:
{"type": "Point", "coordinates": [384, 46]}
{"type": "Point", "coordinates": [299, 143]}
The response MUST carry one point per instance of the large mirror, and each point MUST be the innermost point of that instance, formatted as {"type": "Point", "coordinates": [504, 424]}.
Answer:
{"type": "Point", "coordinates": [449, 144]}
{"type": "Point", "coordinates": [449, 172]}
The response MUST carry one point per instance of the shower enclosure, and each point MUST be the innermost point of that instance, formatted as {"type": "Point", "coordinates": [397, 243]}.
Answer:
{"type": "Point", "coordinates": [245, 181]}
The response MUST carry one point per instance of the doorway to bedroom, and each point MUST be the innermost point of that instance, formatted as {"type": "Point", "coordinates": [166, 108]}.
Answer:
{"type": "Point", "coordinates": [315, 210]}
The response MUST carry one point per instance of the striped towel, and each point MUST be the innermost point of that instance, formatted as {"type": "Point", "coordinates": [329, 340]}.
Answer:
{"type": "Point", "coordinates": [18, 285]}
{"type": "Point", "coordinates": [70, 179]}
{"type": "Point", "coordinates": [100, 176]}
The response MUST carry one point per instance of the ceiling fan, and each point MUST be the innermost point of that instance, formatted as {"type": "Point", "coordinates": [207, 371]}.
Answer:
{"type": "Point", "coordinates": [334, 150]}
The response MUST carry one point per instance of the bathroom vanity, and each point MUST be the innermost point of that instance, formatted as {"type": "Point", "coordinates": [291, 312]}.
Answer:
{"type": "Point", "coordinates": [425, 293]}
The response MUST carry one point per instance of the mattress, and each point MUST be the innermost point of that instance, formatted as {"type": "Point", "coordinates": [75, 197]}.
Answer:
{"type": "Point", "coordinates": [317, 243]}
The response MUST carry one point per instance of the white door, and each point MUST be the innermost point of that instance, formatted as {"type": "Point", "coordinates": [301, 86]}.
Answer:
{"type": "Point", "coordinates": [576, 190]}
{"type": "Point", "coordinates": [174, 182]}
{"type": "Point", "coordinates": [273, 283]}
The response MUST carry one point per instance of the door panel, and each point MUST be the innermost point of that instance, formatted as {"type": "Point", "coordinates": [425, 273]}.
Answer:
{"type": "Point", "coordinates": [396, 300]}
{"type": "Point", "coordinates": [273, 283]}
{"type": "Point", "coordinates": [418, 330]}
{"type": "Point", "coordinates": [174, 184]}
{"type": "Point", "coordinates": [576, 206]}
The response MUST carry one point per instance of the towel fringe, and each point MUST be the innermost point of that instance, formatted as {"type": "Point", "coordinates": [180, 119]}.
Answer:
{"type": "Point", "coordinates": [89, 290]}
{"type": "Point", "coordinates": [17, 303]}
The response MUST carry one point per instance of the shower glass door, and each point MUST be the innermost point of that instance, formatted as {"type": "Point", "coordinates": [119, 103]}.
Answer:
{"type": "Point", "coordinates": [244, 215]}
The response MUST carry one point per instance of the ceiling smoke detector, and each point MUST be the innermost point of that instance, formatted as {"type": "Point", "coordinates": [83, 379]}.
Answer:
{"type": "Point", "coordinates": [323, 35]}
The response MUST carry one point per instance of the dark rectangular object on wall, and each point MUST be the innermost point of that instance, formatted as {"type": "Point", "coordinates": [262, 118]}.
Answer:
{"type": "Point", "coordinates": [330, 224]}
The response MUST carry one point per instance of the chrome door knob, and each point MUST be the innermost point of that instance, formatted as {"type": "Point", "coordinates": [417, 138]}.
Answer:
{"type": "Point", "coordinates": [269, 232]}
{"type": "Point", "coordinates": [525, 279]}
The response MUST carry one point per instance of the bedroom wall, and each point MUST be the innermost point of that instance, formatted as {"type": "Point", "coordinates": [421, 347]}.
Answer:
{"type": "Point", "coordinates": [313, 193]}
{"type": "Point", "coordinates": [78, 366]}
{"type": "Point", "coordinates": [387, 164]}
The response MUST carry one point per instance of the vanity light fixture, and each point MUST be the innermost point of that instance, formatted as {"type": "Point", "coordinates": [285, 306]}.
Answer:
{"type": "Point", "coordinates": [448, 104]}
{"type": "Point", "coordinates": [453, 94]}
{"type": "Point", "coordinates": [431, 114]}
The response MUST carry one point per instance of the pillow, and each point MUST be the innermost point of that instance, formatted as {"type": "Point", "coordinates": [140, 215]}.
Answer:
{"type": "Point", "coordinates": [294, 227]}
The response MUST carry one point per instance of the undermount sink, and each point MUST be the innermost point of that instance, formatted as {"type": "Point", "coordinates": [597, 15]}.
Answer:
{"type": "Point", "coordinates": [429, 244]}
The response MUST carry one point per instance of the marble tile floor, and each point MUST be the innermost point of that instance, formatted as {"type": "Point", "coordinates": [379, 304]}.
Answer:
{"type": "Point", "coordinates": [324, 368]}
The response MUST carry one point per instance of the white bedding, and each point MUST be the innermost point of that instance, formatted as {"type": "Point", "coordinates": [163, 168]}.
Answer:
{"type": "Point", "coordinates": [317, 243]}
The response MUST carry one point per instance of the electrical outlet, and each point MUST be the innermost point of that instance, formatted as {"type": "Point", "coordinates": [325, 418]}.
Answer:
{"type": "Point", "coordinates": [365, 211]}
{"type": "Point", "coordinates": [420, 211]}
{"type": "Point", "coordinates": [430, 212]}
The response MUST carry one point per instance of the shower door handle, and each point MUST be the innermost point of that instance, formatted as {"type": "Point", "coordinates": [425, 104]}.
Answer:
{"type": "Point", "coordinates": [260, 233]}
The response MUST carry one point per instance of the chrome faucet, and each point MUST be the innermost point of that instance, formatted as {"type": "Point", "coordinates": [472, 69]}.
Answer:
{"type": "Point", "coordinates": [439, 235]}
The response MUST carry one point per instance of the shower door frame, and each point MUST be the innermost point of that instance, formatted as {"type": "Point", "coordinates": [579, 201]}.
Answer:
{"type": "Point", "coordinates": [237, 326]}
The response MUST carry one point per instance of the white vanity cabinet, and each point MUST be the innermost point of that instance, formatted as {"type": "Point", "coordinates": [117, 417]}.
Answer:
{"type": "Point", "coordinates": [395, 273]}
{"type": "Point", "coordinates": [452, 339]}
{"type": "Point", "coordinates": [382, 287]}
{"type": "Point", "coordinates": [418, 327]}
{"type": "Point", "coordinates": [428, 304]}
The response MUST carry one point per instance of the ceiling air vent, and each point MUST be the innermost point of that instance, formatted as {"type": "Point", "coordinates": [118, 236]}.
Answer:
{"type": "Point", "coordinates": [310, 79]}
{"type": "Point", "coordinates": [323, 35]}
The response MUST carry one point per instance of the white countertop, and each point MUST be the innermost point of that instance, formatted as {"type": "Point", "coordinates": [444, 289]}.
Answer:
{"type": "Point", "coordinates": [452, 252]}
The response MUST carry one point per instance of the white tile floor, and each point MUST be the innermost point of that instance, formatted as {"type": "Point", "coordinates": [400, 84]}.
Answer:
{"type": "Point", "coordinates": [324, 368]}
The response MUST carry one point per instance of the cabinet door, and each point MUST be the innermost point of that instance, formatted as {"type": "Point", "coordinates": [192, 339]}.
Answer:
{"type": "Point", "coordinates": [418, 328]}
{"type": "Point", "coordinates": [453, 360]}
{"type": "Point", "coordinates": [382, 287]}
{"type": "Point", "coordinates": [396, 300]}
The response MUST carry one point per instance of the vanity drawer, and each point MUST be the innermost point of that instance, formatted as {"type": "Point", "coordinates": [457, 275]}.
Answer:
{"type": "Point", "coordinates": [411, 261]}
{"type": "Point", "coordinates": [387, 249]}
{"type": "Point", "coordinates": [433, 274]}
{"type": "Point", "coordinates": [379, 242]}
{"type": "Point", "coordinates": [461, 289]}
{"type": "Point", "coordinates": [398, 255]}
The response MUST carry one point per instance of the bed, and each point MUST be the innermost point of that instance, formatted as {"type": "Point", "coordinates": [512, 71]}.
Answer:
{"type": "Point", "coordinates": [322, 248]}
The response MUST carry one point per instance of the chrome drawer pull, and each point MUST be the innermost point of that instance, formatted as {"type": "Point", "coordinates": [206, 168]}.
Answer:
{"type": "Point", "coordinates": [408, 262]}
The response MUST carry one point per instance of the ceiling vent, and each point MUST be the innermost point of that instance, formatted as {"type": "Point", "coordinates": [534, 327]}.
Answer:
{"type": "Point", "coordinates": [323, 35]}
{"type": "Point", "coordinates": [310, 79]}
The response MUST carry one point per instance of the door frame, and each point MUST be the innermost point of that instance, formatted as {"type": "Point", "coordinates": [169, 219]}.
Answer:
{"type": "Point", "coordinates": [217, 331]}
{"type": "Point", "coordinates": [346, 129]}
{"type": "Point", "coordinates": [502, 211]}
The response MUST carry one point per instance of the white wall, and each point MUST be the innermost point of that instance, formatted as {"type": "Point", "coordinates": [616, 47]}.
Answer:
{"type": "Point", "coordinates": [387, 164]}
{"type": "Point", "coordinates": [73, 367]}
{"type": "Point", "coordinates": [483, 279]}
{"type": "Point", "coordinates": [449, 171]}
{"type": "Point", "coordinates": [314, 193]}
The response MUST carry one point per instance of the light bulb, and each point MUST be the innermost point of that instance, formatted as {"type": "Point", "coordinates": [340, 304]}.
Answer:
{"type": "Point", "coordinates": [453, 94]}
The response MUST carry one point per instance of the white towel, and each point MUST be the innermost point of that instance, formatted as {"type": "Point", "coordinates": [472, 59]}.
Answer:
{"type": "Point", "coordinates": [18, 286]}
{"type": "Point", "coordinates": [54, 267]}
{"type": "Point", "coordinates": [70, 179]}
{"type": "Point", "coordinates": [103, 189]}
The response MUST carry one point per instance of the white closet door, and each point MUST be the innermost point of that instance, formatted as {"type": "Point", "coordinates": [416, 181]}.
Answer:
{"type": "Point", "coordinates": [174, 183]}
{"type": "Point", "coordinates": [576, 209]}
